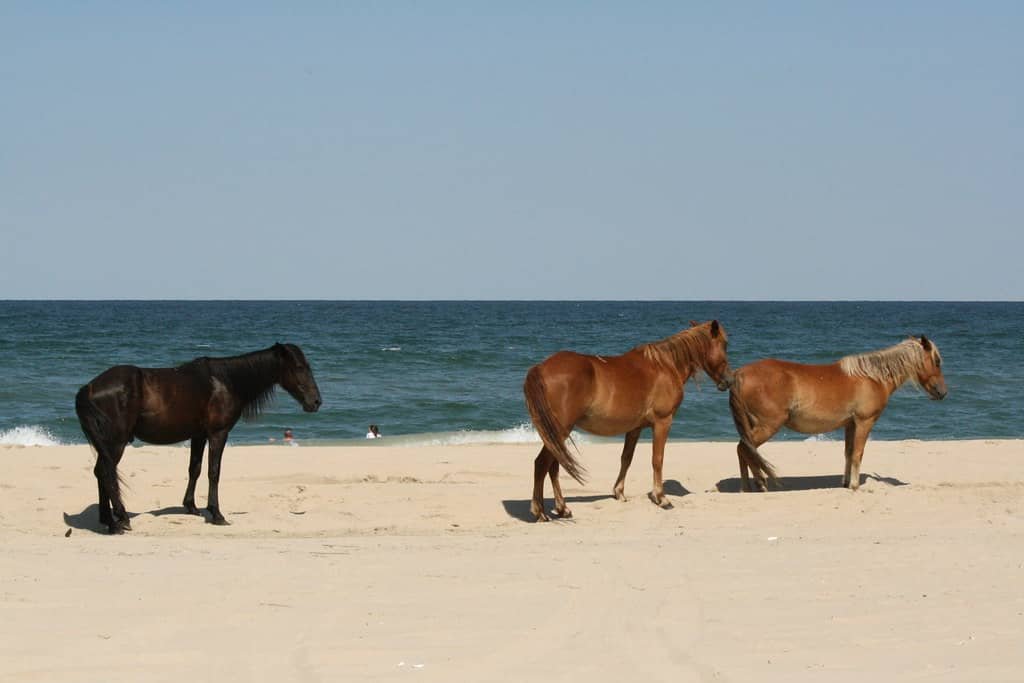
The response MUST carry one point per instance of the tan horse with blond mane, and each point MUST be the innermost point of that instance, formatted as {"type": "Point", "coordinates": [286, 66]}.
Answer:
{"type": "Point", "coordinates": [611, 395]}
{"type": "Point", "coordinates": [812, 399]}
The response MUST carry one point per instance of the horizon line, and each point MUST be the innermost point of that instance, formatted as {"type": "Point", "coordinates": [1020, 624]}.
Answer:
{"type": "Point", "coordinates": [446, 300]}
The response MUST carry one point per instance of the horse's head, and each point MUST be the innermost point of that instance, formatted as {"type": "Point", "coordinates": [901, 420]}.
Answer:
{"type": "Point", "coordinates": [297, 377]}
{"type": "Point", "coordinates": [716, 362]}
{"type": "Point", "coordinates": [930, 375]}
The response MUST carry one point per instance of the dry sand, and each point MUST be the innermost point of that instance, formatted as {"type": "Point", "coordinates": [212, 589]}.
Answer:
{"type": "Point", "coordinates": [383, 563]}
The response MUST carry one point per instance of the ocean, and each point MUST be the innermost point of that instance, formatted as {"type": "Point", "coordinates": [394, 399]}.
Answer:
{"type": "Point", "coordinates": [451, 372]}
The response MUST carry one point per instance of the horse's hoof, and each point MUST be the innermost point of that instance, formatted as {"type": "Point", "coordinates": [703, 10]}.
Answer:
{"type": "Point", "coordinates": [220, 521]}
{"type": "Point", "coordinates": [619, 495]}
{"type": "Point", "coordinates": [542, 517]}
{"type": "Point", "coordinates": [192, 510]}
{"type": "Point", "coordinates": [657, 500]}
{"type": "Point", "coordinates": [565, 513]}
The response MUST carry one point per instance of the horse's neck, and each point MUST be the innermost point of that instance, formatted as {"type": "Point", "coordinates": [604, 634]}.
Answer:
{"type": "Point", "coordinates": [685, 369]}
{"type": "Point", "coordinates": [889, 385]}
{"type": "Point", "coordinates": [690, 367]}
{"type": "Point", "coordinates": [254, 378]}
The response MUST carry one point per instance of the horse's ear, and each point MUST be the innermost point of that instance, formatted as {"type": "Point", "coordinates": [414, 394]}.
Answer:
{"type": "Point", "coordinates": [694, 323]}
{"type": "Point", "coordinates": [716, 329]}
{"type": "Point", "coordinates": [926, 343]}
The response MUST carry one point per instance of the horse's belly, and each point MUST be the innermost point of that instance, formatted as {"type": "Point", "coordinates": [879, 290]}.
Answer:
{"type": "Point", "coordinates": [608, 426]}
{"type": "Point", "coordinates": [806, 424]}
{"type": "Point", "coordinates": [162, 434]}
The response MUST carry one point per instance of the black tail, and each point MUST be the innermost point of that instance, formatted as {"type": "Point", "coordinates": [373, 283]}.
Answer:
{"type": "Point", "coordinates": [741, 418]}
{"type": "Point", "coordinates": [99, 430]}
{"type": "Point", "coordinates": [547, 426]}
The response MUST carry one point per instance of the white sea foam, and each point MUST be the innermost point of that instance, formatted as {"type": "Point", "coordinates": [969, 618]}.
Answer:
{"type": "Point", "coordinates": [391, 348]}
{"type": "Point", "coordinates": [520, 434]}
{"type": "Point", "coordinates": [820, 437]}
{"type": "Point", "coordinates": [28, 435]}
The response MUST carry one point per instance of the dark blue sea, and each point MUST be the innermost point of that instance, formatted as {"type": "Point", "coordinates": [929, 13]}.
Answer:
{"type": "Point", "coordinates": [452, 372]}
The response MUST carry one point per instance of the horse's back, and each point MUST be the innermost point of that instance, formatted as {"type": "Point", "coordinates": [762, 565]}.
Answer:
{"type": "Point", "coordinates": [118, 380]}
{"type": "Point", "coordinates": [108, 405]}
{"type": "Point", "coordinates": [768, 386]}
{"type": "Point", "coordinates": [773, 370]}
{"type": "Point", "coordinates": [566, 370]}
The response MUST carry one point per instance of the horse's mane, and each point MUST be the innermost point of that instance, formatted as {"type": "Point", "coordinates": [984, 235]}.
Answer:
{"type": "Point", "coordinates": [896, 364]}
{"type": "Point", "coordinates": [686, 349]}
{"type": "Point", "coordinates": [253, 376]}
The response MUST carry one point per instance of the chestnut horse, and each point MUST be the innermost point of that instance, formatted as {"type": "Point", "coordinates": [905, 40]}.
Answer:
{"type": "Point", "coordinates": [852, 393]}
{"type": "Point", "coordinates": [610, 395]}
{"type": "Point", "coordinates": [200, 400]}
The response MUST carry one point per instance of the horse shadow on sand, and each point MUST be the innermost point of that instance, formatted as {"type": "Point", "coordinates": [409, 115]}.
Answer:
{"type": "Point", "coordinates": [181, 510]}
{"type": "Point", "coordinates": [89, 518]}
{"type": "Point", "coordinates": [827, 481]}
{"type": "Point", "coordinates": [520, 509]}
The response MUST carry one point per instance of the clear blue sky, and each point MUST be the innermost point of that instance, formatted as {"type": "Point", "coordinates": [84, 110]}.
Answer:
{"type": "Point", "coordinates": [817, 150]}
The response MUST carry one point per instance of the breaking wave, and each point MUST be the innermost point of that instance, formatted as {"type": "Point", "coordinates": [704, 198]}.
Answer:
{"type": "Point", "coordinates": [28, 435]}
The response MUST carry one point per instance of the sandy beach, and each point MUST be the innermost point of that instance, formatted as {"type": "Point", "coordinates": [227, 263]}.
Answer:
{"type": "Point", "coordinates": [385, 563]}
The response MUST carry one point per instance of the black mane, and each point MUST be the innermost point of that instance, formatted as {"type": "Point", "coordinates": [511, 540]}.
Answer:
{"type": "Point", "coordinates": [253, 376]}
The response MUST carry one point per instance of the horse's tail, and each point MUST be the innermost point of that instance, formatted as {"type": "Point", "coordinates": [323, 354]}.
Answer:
{"type": "Point", "coordinates": [547, 425]}
{"type": "Point", "coordinates": [741, 418]}
{"type": "Point", "coordinates": [99, 430]}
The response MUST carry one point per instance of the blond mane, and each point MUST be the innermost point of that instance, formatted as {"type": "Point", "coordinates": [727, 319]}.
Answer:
{"type": "Point", "coordinates": [896, 364]}
{"type": "Point", "coordinates": [686, 349]}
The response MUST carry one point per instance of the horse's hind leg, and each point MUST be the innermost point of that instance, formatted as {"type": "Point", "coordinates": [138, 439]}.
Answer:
{"type": "Point", "coordinates": [106, 518]}
{"type": "Point", "coordinates": [541, 468]}
{"type": "Point", "coordinates": [741, 453]}
{"type": "Point", "coordinates": [560, 507]}
{"type": "Point", "coordinates": [112, 512]}
{"type": "Point", "coordinates": [619, 490]}
{"type": "Point", "coordinates": [195, 468]}
{"type": "Point", "coordinates": [116, 503]}
{"type": "Point", "coordinates": [748, 456]}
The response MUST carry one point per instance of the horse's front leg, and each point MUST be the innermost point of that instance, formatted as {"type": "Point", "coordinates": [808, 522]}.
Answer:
{"type": "Point", "coordinates": [660, 429]}
{"type": "Point", "coordinates": [619, 490]}
{"type": "Point", "coordinates": [850, 430]}
{"type": "Point", "coordinates": [195, 468]}
{"type": "Point", "coordinates": [217, 442]}
{"type": "Point", "coordinates": [861, 430]}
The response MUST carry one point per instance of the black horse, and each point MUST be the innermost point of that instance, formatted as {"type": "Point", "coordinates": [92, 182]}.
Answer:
{"type": "Point", "coordinates": [200, 400]}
